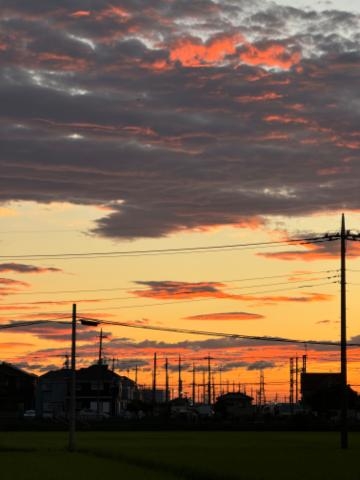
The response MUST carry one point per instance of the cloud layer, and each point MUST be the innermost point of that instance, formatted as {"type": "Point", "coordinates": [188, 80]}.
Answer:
{"type": "Point", "coordinates": [179, 115]}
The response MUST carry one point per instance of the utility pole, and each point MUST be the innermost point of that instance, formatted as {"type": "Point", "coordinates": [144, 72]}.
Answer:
{"type": "Point", "coordinates": [204, 386]}
{"type": "Point", "coordinates": [213, 389]}
{"type": "Point", "coordinates": [344, 400]}
{"type": "Point", "coordinates": [100, 360]}
{"type": "Point", "coordinates": [154, 380]}
{"type": "Point", "coordinates": [72, 406]}
{"type": "Point", "coordinates": [179, 379]}
{"type": "Point", "coordinates": [167, 396]}
{"type": "Point", "coordinates": [291, 395]}
{"type": "Point", "coordinates": [208, 358]}
{"type": "Point", "coordinates": [296, 380]}
{"type": "Point", "coordinates": [343, 236]}
{"type": "Point", "coordinates": [193, 385]}
{"type": "Point", "coordinates": [220, 380]}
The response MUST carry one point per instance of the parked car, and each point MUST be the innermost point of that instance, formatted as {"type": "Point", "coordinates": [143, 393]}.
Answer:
{"type": "Point", "coordinates": [29, 414]}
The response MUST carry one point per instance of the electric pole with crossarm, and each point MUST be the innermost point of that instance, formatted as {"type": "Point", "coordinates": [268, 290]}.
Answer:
{"type": "Point", "coordinates": [344, 235]}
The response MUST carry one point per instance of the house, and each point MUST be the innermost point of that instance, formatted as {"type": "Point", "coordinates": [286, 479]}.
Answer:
{"type": "Point", "coordinates": [17, 390]}
{"type": "Point", "coordinates": [233, 405]}
{"type": "Point", "coordinates": [322, 392]}
{"type": "Point", "coordinates": [52, 394]}
{"type": "Point", "coordinates": [100, 392]}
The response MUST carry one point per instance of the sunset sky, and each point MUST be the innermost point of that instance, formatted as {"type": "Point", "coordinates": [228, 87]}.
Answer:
{"type": "Point", "coordinates": [146, 127]}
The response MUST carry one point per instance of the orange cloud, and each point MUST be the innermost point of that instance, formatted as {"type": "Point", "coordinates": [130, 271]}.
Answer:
{"type": "Point", "coordinates": [305, 298]}
{"type": "Point", "coordinates": [8, 286]}
{"type": "Point", "coordinates": [67, 62]}
{"type": "Point", "coordinates": [192, 53]}
{"type": "Point", "coordinates": [274, 55]}
{"type": "Point", "coordinates": [334, 170]}
{"type": "Point", "coordinates": [81, 13]}
{"type": "Point", "coordinates": [226, 316]}
{"type": "Point", "coordinates": [160, 65]}
{"type": "Point", "coordinates": [113, 11]}
{"type": "Point", "coordinates": [311, 252]}
{"type": "Point", "coordinates": [274, 136]}
{"type": "Point", "coordinates": [168, 290]}
{"type": "Point", "coordinates": [259, 98]}
{"type": "Point", "coordinates": [285, 119]}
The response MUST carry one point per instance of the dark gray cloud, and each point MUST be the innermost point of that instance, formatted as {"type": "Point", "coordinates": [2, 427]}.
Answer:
{"type": "Point", "coordinates": [59, 332]}
{"type": "Point", "coordinates": [131, 363]}
{"type": "Point", "coordinates": [23, 268]}
{"type": "Point", "coordinates": [260, 365]}
{"type": "Point", "coordinates": [179, 115]}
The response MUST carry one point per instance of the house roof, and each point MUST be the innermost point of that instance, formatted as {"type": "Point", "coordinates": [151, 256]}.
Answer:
{"type": "Point", "coordinates": [13, 371]}
{"type": "Point", "coordinates": [94, 372]}
{"type": "Point", "coordinates": [56, 375]}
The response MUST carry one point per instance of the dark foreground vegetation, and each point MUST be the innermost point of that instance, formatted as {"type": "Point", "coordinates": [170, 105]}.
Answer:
{"type": "Point", "coordinates": [180, 455]}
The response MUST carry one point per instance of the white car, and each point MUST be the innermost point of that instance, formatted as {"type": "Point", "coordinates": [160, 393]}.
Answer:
{"type": "Point", "coordinates": [29, 414]}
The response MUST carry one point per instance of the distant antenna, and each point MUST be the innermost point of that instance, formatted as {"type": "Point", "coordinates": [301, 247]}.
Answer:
{"type": "Point", "coordinates": [101, 336]}
{"type": "Point", "coordinates": [180, 386]}
{"type": "Point", "coordinates": [261, 393]}
{"type": "Point", "coordinates": [67, 362]}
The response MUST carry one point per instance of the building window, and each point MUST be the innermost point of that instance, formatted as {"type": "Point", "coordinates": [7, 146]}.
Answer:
{"type": "Point", "coordinates": [95, 386]}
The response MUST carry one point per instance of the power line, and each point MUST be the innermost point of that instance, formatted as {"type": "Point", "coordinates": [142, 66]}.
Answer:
{"type": "Point", "coordinates": [173, 294]}
{"type": "Point", "coordinates": [117, 253]}
{"type": "Point", "coordinates": [216, 334]}
{"type": "Point", "coordinates": [27, 323]}
{"type": "Point", "coordinates": [94, 290]}
{"type": "Point", "coordinates": [24, 323]}
{"type": "Point", "coordinates": [177, 302]}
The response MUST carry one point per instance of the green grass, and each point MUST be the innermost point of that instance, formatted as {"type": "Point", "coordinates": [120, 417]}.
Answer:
{"type": "Point", "coordinates": [180, 455]}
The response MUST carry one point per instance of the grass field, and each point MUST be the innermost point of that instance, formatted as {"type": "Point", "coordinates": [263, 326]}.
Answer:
{"type": "Point", "coordinates": [180, 455]}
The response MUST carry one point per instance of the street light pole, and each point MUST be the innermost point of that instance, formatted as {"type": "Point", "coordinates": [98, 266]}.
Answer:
{"type": "Point", "coordinates": [72, 406]}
